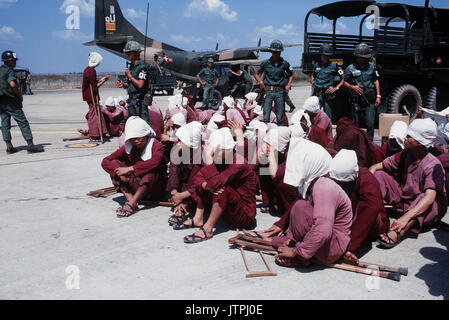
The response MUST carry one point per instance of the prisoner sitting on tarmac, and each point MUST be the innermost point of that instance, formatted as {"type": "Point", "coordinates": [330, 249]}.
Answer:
{"type": "Point", "coordinates": [413, 182]}
{"type": "Point", "coordinates": [227, 183]}
{"type": "Point", "coordinates": [319, 226]}
{"type": "Point", "coordinates": [137, 169]}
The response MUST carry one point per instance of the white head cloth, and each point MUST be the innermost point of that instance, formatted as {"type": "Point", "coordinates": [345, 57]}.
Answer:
{"type": "Point", "coordinates": [110, 102]}
{"type": "Point", "coordinates": [298, 116]}
{"type": "Point", "coordinates": [223, 139]}
{"type": "Point", "coordinates": [229, 101]}
{"type": "Point", "coordinates": [306, 161]}
{"type": "Point", "coordinates": [344, 166]}
{"type": "Point", "coordinates": [190, 134]}
{"type": "Point", "coordinates": [278, 138]}
{"type": "Point", "coordinates": [258, 110]}
{"type": "Point", "coordinates": [298, 132]}
{"type": "Point", "coordinates": [398, 132]}
{"type": "Point", "coordinates": [121, 98]}
{"type": "Point", "coordinates": [252, 96]}
{"type": "Point", "coordinates": [215, 118]}
{"type": "Point", "coordinates": [424, 131]}
{"type": "Point", "coordinates": [312, 104]}
{"type": "Point", "coordinates": [179, 119]}
{"type": "Point", "coordinates": [137, 128]}
{"type": "Point", "coordinates": [95, 59]}
{"type": "Point", "coordinates": [177, 101]}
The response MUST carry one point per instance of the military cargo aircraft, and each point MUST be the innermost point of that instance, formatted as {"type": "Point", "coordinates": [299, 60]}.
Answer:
{"type": "Point", "coordinates": [112, 31]}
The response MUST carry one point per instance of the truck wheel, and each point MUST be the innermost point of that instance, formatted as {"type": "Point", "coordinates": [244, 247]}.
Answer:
{"type": "Point", "coordinates": [406, 95]}
{"type": "Point", "coordinates": [430, 102]}
{"type": "Point", "coordinates": [216, 101]}
{"type": "Point", "coordinates": [170, 92]}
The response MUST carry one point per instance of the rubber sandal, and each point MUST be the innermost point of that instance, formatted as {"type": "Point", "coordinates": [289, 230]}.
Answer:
{"type": "Point", "coordinates": [126, 213]}
{"type": "Point", "coordinates": [387, 245]}
{"type": "Point", "coordinates": [193, 237]}
{"type": "Point", "coordinates": [185, 226]}
{"type": "Point", "coordinates": [179, 220]}
{"type": "Point", "coordinates": [266, 208]}
{"type": "Point", "coordinates": [11, 150]}
{"type": "Point", "coordinates": [257, 236]}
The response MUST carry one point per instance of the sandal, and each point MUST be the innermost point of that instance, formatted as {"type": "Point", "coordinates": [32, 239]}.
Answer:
{"type": "Point", "coordinates": [125, 213]}
{"type": "Point", "coordinates": [183, 226]}
{"type": "Point", "coordinates": [266, 208]}
{"type": "Point", "coordinates": [199, 239]}
{"type": "Point", "coordinates": [174, 219]}
{"type": "Point", "coordinates": [392, 243]}
{"type": "Point", "coordinates": [256, 236]}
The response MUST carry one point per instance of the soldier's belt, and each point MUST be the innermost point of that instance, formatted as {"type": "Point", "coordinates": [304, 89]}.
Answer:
{"type": "Point", "coordinates": [275, 88]}
{"type": "Point", "coordinates": [135, 96]}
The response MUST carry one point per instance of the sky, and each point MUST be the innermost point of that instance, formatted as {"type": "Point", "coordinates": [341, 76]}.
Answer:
{"type": "Point", "coordinates": [36, 29]}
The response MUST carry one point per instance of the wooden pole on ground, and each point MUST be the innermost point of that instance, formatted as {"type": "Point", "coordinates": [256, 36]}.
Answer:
{"type": "Point", "coordinates": [97, 116]}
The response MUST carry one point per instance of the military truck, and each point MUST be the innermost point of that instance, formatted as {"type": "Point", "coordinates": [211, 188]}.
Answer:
{"type": "Point", "coordinates": [410, 48]}
{"type": "Point", "coordinates": [163, 80]}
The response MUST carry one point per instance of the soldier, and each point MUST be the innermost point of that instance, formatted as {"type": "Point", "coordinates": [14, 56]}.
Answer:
{"type": "Point", "coordinates": [362, 79]}
{"type": "Point", "coordinates": [11, 105]}
{"type": "Point", "coordinates": [324, 74]}
{"type": "Point", "coordinates": [278, 79]}
{"type": "Point", "coordinates": [243, 81]}
{"type": "Point", "coordinates": [138, 82]}
{"type": "Point", "coordinates": [209, 78]}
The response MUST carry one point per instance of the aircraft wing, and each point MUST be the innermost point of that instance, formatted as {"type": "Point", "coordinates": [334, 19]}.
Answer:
{"type": "Point", "coordinates": [251, 62]}
{"type": "Point", "coordinates": [240, 53]}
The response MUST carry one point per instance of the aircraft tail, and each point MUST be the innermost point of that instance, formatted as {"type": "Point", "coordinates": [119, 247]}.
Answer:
{"type": "Point", "coordinates": [111, 27]}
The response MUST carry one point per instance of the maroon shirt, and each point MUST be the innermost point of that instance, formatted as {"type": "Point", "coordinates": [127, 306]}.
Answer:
{"type": "Point", "coordinates": [141, 168]}
{"type": "Point", "coordinates": [89, 78]}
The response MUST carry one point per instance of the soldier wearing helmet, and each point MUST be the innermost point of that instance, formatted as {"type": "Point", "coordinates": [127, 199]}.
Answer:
{"type": "Point", "coordinates": [362, 79]}
{"type": "Point", "coordinates": [138, 81]}
{"type": "Point", "coordinates": [277, 81]}
{"type": "Point", "coordinates": [209, 79]}
{"type": "Point", "coordinates": [11, 104]}
{"type": "Point", "coordinates": [325, 74]}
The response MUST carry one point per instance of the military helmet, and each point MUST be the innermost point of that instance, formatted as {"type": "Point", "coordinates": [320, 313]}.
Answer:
{"type": "Point", "coordinates": [326, 49]}
{"type": "Point", "coordinates": [362, 50]}
{"type": "Point", "coordinates": [132, 46]}
{"type": "Point", "coordinates": [9, 56]}
{"type": "Point", "coordinates": [276, 46]}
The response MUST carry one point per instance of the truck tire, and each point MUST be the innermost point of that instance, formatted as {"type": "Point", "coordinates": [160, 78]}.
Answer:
{"type": "Point", "coordinates": [216, 102]}
{"type": "Point", "coordinates": [170, 91]}
{"type": "Point", "coordinates": [405, 95]}
{"type": "Point", "coordinates": [430, 102]}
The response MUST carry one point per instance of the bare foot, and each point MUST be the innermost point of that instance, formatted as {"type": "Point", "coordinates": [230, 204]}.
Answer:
{"type": "Point", "coordinates": [83, 132]}
{"type": "Point", "coordinates": [350, 258]}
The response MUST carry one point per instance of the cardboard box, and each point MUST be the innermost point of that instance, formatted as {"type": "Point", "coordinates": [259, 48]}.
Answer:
{"type": "Point", "coordinates": [386, 120]}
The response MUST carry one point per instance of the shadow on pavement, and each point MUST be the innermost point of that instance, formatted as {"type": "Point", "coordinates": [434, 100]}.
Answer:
{"type": "Point", "coordinates": [435, 274]}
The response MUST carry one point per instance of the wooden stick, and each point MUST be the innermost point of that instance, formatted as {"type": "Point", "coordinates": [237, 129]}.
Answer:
{"type": "Point", "coordinates": [76, 139]}
{"type": "Point", "coordinates": [254, 274]}
{"type": "Point", "coordinates": [94, 101]}
{"type": "Point", "coordinates": [99, 118]}
{"type": "Point", "coordinates": [356, 269]}
{"type": "Point", "coordinates": [255, 246]}
{"type": "Point", "coordinates": [264, 261]}
{"type": "Point", "coordinates": [403, 271]}
{"type": "Point", "coordinates": [244, 259]}
{"type": "Point", "coordinates": [156, 203]}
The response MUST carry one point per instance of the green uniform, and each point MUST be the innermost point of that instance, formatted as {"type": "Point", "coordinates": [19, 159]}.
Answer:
{"type": "Point", "coordinates": [209, 76]}
{"type": "Point", "coordinates": [136, 106]}
{"type": "Point", "coordinates": [10, 106]}
{"type": "Point", "coordinates": [275, 79]}
{"type": "Point", "coordinates": [325, 77]}
{"type": "Point", "coordinates": [363, 77]}
{"type": "Point", "coordinates": [244, 82]}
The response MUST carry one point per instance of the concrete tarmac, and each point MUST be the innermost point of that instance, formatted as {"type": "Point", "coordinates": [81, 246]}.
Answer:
{"type": "Point", "coordinates": [52, 234]}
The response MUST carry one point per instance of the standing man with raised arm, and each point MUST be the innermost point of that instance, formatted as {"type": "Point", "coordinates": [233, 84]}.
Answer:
{"type": "Point", "coordinates": [11, 101]}
{"type": "Point", "coordinates": [138, 81]}
{"type": "Point", "coordinates": [277, 81]}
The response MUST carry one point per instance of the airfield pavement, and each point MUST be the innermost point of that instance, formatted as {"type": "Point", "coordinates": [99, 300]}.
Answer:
{"type": "Point", "coordinates": [48, 225]}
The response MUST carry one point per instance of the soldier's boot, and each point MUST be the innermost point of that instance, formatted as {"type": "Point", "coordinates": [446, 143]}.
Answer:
{"type": "Point", "coordinates": [32, 148]}
{"type": "Point", "coordinates": [10, 148]}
